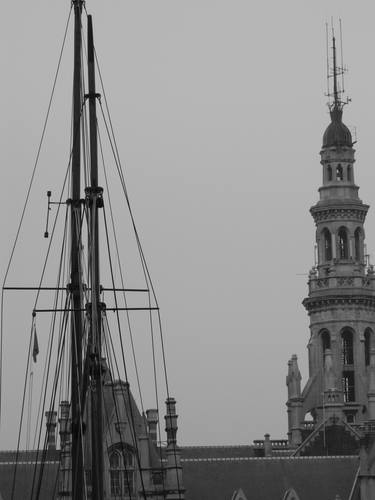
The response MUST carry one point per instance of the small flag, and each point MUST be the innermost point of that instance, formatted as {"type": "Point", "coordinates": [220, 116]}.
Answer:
{"type": "Point", "coordinates": [36, 346]}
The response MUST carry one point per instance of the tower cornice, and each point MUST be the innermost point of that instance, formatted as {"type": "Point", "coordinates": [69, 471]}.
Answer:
{"type": "Point", "coordinates": [331, 210]}
{"type": "Point", "coordinates": [322, 303]}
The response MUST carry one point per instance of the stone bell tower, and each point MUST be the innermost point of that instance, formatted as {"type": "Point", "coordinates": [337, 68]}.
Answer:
{"type": "Point", "coordinates": [341, 298]}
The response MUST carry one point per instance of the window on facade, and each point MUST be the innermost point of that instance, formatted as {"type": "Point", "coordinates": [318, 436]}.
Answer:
{"type": "Point", "coordinates": [350, 177]}
{"type": "Point", "coordinates": [368, 338]}
{"type": "Point", "coordinates": [347, 347]}
{"type": "Point", "coordinates": [348, 388]}
{"type": "Point", "coordinates": [339, 173]}
{"type": "Point", "coordinates": [327, 241]}
{"type": "Point", "coordinates": [329, 172]}
{"type": "Point", "coordinates": [343, 243]}
{"type": "Point", "coordinates": [121, 472]}
{"type": "Point", "coordinates": [326, 341]}
{"type": "Point", "coordinates": [357, 244]}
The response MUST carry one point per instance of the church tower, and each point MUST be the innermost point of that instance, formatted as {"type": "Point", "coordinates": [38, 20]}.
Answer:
{"type": "Point", "coordinates": [341, 295]}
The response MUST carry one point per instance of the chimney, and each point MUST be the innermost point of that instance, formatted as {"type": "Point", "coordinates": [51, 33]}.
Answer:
{"type": "Point", "coordinates": [171, 421]}
{"type": "Point", "coordinates": [267, 446]}
{"type": "Point", "coordinates": [65, 472]}
{"type": "Point", "coordinates": [152, 422]}
{"type": "Point", "coordinates": [51, 429]}
{"type": "Point", "coordinates": [173, 481]}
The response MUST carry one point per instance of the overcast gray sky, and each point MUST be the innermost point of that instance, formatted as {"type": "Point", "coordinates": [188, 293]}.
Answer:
{"type": "Point", "coordinates": [219, 111]}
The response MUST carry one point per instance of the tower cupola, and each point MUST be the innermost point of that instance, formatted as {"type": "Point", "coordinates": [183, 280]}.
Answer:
{"type": "Point", "coordinates": [337, 133]}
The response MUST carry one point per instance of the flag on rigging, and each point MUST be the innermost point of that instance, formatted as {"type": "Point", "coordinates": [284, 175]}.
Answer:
{"type": "Point", "coordinates": [36, 346]}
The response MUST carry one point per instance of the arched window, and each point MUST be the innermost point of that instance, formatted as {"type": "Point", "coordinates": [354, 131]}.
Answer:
{"type": "Point", "coordinates": [121, 472]}
{"type": "Point", "coordinates": [115, 473]}
{"type": "Point", "coordinates": [329, 172]}
{"type": "Point", "coordinates": [326, 341]}
{"type": "Point", "coordinates": [347, 347]}
{"type": "Point", "coordinates": [327, 242]}
{"type": "Point", "coordinates": [368, 345]}
{"type": "Point", "coordinates": [343, 243]}
{"type": "Point", "coordinates": [350, 177]}
{"type": "Point", "coordinates": [357, 244]}
{"type": "Point", "coordinates": [339, 173]}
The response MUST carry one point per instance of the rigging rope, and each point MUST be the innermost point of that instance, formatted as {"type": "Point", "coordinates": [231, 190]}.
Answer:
{"type": "Point", "coordinates": [29, 191]}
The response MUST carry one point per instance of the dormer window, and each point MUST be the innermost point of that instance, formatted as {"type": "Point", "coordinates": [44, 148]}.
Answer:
{"type": "Point", "coordinates": [121, 472]}
{"type": "Point", "coordinates": [339, 173]}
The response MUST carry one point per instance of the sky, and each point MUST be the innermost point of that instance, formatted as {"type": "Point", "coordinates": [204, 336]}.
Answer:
{"type": "Point", "coordinates": [219, 110]}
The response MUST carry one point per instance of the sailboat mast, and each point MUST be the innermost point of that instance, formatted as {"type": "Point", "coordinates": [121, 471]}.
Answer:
{"type": "Point", "coordinates": [95, 202]}
{"type": "Point", "coordinates": [76, 284]}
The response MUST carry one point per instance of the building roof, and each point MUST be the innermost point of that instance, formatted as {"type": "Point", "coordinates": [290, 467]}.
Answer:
{"type": "Point", "coordinates": [337, 133]}
{"type": "Point", "coordinates": [27, 475]}
{"type": "Point", "coordinates": [216, 452]}
{"type": "Point", "coordinates": [269, 478]}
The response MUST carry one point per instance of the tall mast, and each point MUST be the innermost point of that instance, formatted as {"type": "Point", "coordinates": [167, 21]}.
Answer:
{"type": "Point", "coordinates": [76, 284]}
{"type": "Point", "coordinates": [95, 201]}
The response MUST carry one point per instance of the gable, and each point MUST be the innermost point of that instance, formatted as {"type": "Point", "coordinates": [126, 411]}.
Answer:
{"type": "Point", "coordinates": [291, 495]}
{"type": "Point", "coordinates": [237, 495]}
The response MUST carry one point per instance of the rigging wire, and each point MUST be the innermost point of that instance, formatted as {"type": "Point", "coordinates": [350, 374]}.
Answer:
{"type": "Point", "coordinates": [122, 349]}
{"type": "Point", "coordinates": [127, 401]}
{"type": "Point", "coordinates": [64, 319]}
{"type": "Point", "coordinates": [53, 319]}
{"type": "Point", "coordinates": [113, 143]}
{"type": "Point", "coordinates": [22, 413]}
{"type": "Point", "coordinates": [29, 192]}
{"type": "Point", "coordinates": [121, 274]}
{"type": "Point", "coordinates": [118, 422]}
{"type": "Point", "coordinates": [29, 408]}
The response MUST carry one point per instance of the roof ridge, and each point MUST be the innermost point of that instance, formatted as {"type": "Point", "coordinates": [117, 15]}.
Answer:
{"type": "Point", "coordinates": [278, 458]}
{"type": "Point", "coordinates": [217, 446]}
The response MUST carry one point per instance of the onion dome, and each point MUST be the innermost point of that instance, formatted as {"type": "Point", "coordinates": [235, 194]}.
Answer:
{"type": "Point", "coordinates": [337, 133]}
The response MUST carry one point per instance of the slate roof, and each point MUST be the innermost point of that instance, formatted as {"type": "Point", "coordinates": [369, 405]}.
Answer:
{"type": "Point", "coordinates": [215, 472]}
{"type": "Point", "coordinates": [268, 478]}
{"type": "Point", "coordinates": [25, 476]}
{"type": "Point", "coordinates": [199, 452]}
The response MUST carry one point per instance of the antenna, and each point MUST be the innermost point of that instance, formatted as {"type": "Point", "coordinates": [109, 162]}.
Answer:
{"type": "Point", "coordinates": [327, 58]}
{"type": "Point", "coordinates": [342, 58]}
{"type": "Point", "coordinates": [336, 72]}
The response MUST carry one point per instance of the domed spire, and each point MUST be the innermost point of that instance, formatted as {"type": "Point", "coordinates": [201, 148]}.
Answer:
{"type": "Point", "coordinates": [337, 133]}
